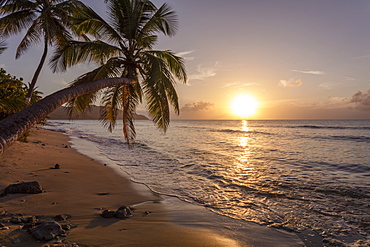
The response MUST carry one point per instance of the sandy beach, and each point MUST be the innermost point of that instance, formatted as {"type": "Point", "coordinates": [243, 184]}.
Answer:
{"type": "Point", "coordinates": [83, 188]}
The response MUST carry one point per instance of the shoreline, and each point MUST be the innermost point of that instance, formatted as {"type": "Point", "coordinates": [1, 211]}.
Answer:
{"type": "Point", "coordinates": [84, 187]}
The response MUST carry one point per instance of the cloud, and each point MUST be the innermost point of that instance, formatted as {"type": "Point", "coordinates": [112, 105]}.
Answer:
{"type": "Point", "coordinates": [203, 72]}
{"type": "Point", "coordinates": [360, 57]}
{"type": "Point", "coordinates": [291, 83]}
{"type": "Point", "coordinates": [333, 102]}
{"type": "Point", "coordinates": [313, 72]}
{"type": "Point", "coordinates": [348, 78]}
{"type": "Point", "coordinates": [250, 84]}
{"type": "Point", "coordinates": [184, 53]}
{"type": "Point", "coordinates": [237, 83]}
{"type": "Point", "coordinates": [362, 100]}
{"type": "Point", "coordinates": [197, 106]}
{"type": "Point", "coordinates": [331, 85]}
{"type": "Point", "coordinates": [327, 85]}
{"type": "Point", "coordinates": [230, 84]}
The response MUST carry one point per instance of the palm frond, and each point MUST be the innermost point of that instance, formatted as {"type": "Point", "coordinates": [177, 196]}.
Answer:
{"type": "Point", "coordinates": [14, 23]}
{"type": "Point", "coordinates": [55, 29]}
{"type": "Point", "coordinates": [82, 103]}
{"type": "Point", "coordinates": [32, 36]}
{"type": "Point", "coordinates": [154, 85]}
{"type": "Point", "coordinates": [111, 101]}
{"type": "Point", "coordinates": [147, 41]}
{"type": "Point", "coordinates": [158, 106]}
{"type": "Point", "coordinates": [163, 20]}
{"type": "Point", "coordinates": [128, 17]}
{"type": "Point", "coordinates": [75, 52]}
{"type": "Point", "coordinates": [160, 68]}
{"type": "Point", "coordinates": [174, 63]}
{"type": "Point", "coordinates": [116, 98]}
{"type": "Point", "coordinates": [129, 103]}
{"type": "Point", "coordinates": [10, 6]}
{"type": "Point", "coordinates": [87, 21]}
{"type": "Point", "coordinates": [3, 45]}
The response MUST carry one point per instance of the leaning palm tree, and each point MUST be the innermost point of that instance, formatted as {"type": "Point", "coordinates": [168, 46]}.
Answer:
{"type": "Point", "coordinates": [2, 46]}
{"type": "Point", "coordinates": [14, 126]}
{"type": "Point", "coordinates": [47, 20]}
{"type": "Point", "coordinates": [123, 47]}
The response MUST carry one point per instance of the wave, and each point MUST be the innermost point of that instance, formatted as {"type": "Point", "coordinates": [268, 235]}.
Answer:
{"type": "Point", "coordinates": [361, 139]}
{"type": "Point", "coordinates": [242, 131]}
{"type": "Point", "coordinates": [328, 127]}
{"type": "Point", "coordinates": [352, 138]}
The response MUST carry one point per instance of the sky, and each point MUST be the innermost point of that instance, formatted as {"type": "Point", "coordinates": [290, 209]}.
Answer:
{"type": "Point", "coordinates": [299, 59]}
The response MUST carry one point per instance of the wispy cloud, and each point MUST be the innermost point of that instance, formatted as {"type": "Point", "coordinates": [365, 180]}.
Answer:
{"type": "Point", "coordinates": [184, 53]}
{"type": "Point", "coordinates": [197, 106]}
{"type": "Point", "coordinates": [290, 83]}
{"type": "Point", "coordinates": [331, 85]}
{"type": "Point", "coordinates": [203, 72]}
{"type": "Point", "coordinates": [327, 85]}
{"type": "Point", "coordinates": [230, 84]}
{"type": "Point", "coordinates": [238, 83]}
{"type": "Point", "coordinates": [250, 84]}
{"type": "Point", "coordinates": [313, 72]}
{"type": "Point", "coordinates": [348, 78]}
{"type": "Point", "coordinates": [361, 57]}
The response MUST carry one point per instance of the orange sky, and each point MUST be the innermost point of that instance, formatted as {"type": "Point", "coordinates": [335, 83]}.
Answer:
{"type": "Point", "coordinates": [299, 59]}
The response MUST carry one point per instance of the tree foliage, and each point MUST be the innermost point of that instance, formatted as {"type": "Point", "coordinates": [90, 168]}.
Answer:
{"type": "Point", "coordinates": [122, 46]}
{"type": "Point", "coordinates": [44, 20]}
{"type": "Point", "coordinates": [2, 46]}
{"type": "Point", "coordinates": [14, 126]}
{"type": "Point", "coordinates": [13, 93]}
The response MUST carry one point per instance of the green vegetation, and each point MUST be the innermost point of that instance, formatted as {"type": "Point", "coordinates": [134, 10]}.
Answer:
{"type": "Point", "coordinates": [12, 97]}
{"type": "Point", "coordinates": [48, 20]}
{"type": "Point", "coordinates": [129, 70]}
{"type": "Point", "coordinates": [13, 93]}
{"type": "Point", "coordinates": [123, 47]}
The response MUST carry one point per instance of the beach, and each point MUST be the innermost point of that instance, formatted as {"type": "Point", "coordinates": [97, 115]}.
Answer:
{"type": "Point", "coordinates": [83, 188]}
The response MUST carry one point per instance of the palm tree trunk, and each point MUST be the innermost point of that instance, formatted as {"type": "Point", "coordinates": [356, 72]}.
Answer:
{"type": "Point", "coordinates": [37, 72]}
{"type": "Point", "coordinates": [14, 126]}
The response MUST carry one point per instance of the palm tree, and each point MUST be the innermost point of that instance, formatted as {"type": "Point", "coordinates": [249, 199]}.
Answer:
{"type": "Point", "coordinates": [2, 46]}
{"type": "Point", "coordinates": [44, 19]}
{"type": "Point", "coordinates": [14, 126]}
{"type": "Point", "coordinates": [123, 47]}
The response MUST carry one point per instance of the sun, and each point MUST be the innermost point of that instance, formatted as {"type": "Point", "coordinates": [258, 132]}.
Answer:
{"type": "Point", "coordinates": [244, 105]}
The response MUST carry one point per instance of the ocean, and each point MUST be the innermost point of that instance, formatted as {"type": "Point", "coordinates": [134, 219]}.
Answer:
{"type": "Point", "coordinates": [292, 175]}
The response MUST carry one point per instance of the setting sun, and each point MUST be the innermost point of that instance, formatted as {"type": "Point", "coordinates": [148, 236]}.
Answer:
{"type": "Point", "coordinates": [244, 105]}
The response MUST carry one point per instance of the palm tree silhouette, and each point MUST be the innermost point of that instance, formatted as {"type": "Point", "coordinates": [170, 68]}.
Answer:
{"type": "Point", "coordinates": [129, 68]}
{"type": "Point", "coordinates": [47, 20]}
{"type": "Point", "coordinates": [123, 47]}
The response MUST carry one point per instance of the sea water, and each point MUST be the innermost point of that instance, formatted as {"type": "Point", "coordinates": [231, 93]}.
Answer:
{"type": "Point", "coordinates": [294, 175]}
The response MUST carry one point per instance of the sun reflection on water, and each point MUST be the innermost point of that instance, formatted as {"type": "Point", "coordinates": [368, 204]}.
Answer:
{"type": "Point", "coordinates": [242, 162]}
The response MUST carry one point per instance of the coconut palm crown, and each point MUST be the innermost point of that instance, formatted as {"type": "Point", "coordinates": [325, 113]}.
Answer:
{"type": "Point", "coordinates": [122, 46]}
{"type": "Point", "coordinates": [47, 20]}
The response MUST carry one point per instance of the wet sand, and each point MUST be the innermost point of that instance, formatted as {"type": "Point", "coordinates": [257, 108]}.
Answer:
{"type": "Point", "coordinates": [83, 188]}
